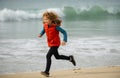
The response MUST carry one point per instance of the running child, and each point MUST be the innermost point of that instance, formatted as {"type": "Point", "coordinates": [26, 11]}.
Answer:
{"type": "Point", "coordinates": [52, 27]}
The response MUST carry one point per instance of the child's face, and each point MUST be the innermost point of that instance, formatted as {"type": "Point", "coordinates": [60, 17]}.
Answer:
{"type": "Point", "coordinates": [46, 20]}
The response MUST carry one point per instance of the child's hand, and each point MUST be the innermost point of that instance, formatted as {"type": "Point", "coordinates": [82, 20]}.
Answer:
{"type": "Point", "coordinates": [39, 35]}
{"type": "Point", "coordinates": [63, 43]}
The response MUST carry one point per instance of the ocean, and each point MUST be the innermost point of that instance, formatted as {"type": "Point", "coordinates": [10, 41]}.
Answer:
{"type": "Point", "coordinates": [93, 28]}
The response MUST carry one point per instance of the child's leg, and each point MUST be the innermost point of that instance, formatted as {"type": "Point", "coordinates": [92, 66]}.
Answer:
{"type": "Point", "coordinates": [57, 56]}
{"type": "Point", "coordinates": [54, 50]}
{"type": "Point", "coordinates": [48, 58]}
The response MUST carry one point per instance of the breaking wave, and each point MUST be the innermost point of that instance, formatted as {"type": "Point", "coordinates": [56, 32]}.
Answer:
{"type": "Point", "coordinates": [68, 13]}
{"type": "Point", "coordinates": [95, 12]}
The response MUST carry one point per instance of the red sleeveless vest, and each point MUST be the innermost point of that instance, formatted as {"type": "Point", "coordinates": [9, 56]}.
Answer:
{"type": "Point", "coordinates": [52, 35]}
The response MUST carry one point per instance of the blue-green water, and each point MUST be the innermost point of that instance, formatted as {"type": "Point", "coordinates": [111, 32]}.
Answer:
{"type": "Point", "coordinates": [93, 28]}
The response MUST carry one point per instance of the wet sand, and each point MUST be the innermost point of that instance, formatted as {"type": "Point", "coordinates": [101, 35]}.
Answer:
{"type": "Point", "coordinates": [98, 72]}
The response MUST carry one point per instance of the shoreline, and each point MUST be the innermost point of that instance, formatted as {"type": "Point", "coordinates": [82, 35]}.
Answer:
{"type": "Point", "coordinates": [97, 72]}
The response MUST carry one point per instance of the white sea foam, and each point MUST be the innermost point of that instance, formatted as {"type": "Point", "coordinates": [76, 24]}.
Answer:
{"type": "Point", "coordinates": [101, 51]}
{"type": "Point", "coordinates": [20, 15]}
{"type": "Point", "coordinates": [78, 45]}
{"type": "Point", "coordinates": [17, 15]}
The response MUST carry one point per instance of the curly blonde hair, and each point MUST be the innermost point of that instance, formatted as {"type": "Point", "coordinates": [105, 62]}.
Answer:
{"type": "Point", "coordinates": [58, 22]}
{"type": "Point", "coordinates": [53, 17]}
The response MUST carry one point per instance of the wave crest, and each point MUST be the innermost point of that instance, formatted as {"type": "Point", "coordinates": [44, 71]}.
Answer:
{"type": "Point", "coordinates": [68, 13]}
{"type": "Point", "coordinates": [95, 12]}
{"type": "Point", "coordinates": [17, 15]}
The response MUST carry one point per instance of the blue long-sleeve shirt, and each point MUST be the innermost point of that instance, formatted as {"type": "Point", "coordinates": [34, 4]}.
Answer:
{"type": "Point", "coordinates": [59, 29]}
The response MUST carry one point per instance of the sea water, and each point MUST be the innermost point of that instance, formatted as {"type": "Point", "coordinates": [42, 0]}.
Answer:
{"type": "Point", "coordinates": [93, 28]}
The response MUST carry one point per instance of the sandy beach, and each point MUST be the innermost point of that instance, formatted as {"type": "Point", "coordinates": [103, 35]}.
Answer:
{"type": "Point", "coordinates": [99, 72]}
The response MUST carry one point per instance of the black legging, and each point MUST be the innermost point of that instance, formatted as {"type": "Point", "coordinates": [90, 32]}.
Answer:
{"type": "Point", "coordinates": [54, 51]}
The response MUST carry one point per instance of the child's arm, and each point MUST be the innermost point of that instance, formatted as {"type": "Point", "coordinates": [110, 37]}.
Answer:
{"type": "Point", "coordinates": [41, 33]}
{"type": "Point", "coordinates": [64, 34]}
